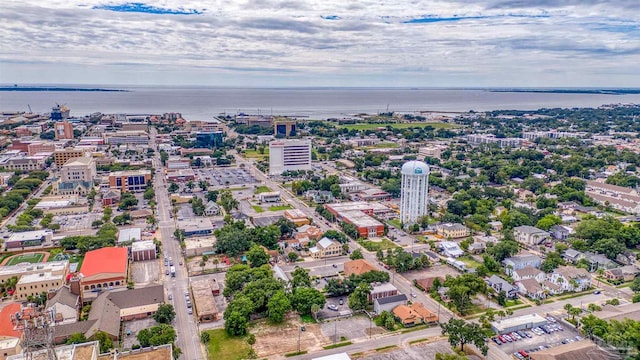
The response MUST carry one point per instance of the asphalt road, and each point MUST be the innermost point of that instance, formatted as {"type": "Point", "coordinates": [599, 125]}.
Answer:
{"type": "Point", "coordinates": [185, 325]}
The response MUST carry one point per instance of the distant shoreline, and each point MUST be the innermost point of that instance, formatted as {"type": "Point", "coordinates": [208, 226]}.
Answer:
{"type": "Point", "coordinates": [573, 91]}
{"type": "Point", "coordinates": [38, 88]}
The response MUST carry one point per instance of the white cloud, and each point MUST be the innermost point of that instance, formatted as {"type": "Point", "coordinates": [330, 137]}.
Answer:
{"type": "Point", "coordinates": [323, 43]}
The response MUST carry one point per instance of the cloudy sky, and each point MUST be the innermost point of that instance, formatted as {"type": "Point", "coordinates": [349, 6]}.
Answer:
{"type": "Point", "coordinates": [265, 43]}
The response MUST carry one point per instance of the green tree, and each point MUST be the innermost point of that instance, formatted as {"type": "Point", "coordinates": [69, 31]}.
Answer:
{"type": "Point", "coordinates": [104, 340]}
{"type": "Point", "coordinates": [157, 335]}
{"type": "Point", "coordinates": [77, 338]}
{"type": "Point", "coordinates": [359, 299]}
{"type": "Point", "coordinates": [277, 306]}
{"type": "Point", "coordinates": [635, 285]}
{"type": "Point", "coordinates": [205, 337]}
{"type": "Point", "coordinates": [503, 250]}
{"type": "Point", "coordinates": [165, 314]}
{"type": "Point", "coordinates": [106, 217]}
{"type": "Point", "coordinates": [173, 187]}
{"type": "Point", "coordinates": [236, 324]}
{"type": "Point", "coordinates": [548, 221]}
{"type": "Point", "coordinates": [127, 201]}
{"type": "Point", "coordinates": [300, 278]}
{"type": "Point", "coordinates": [461, 333]}
{"type": "Point", "coordinates": [304, 298]}
{"type": "Point", "coordinates": [257, 256]}
{"type": "Point", "coordinates": [356, 254]}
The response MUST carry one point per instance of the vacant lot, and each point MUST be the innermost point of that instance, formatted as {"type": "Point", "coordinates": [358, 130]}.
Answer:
{"type": "Point", "coordinates": [435, 125]}
{"type": "Point", "coordinates": [424, 350]}
{"type": "Point", "coordinates": [26, 258]}
{"type": "Point", "coordinates": [145, 272]}
{"type": "Point", "coordinates": [283, 338]}
{"type": "Point", "coordinates": [221, 346]}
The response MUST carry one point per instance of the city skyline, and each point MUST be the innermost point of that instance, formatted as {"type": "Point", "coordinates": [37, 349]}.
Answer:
{"type": "Point", "coordinates": [264, 43]}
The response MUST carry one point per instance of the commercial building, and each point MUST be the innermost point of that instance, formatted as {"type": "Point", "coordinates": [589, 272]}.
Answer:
{"type": "Point", "coordinates": [389, 303]}
{"type": "Point", "coordinates": [205, 304]}
{"type": "Point", "coordinates": [269, 197]}
{"type": "Point", "coordinates": [24, 163]}
{"type": "Point", "coordinates": [284, 128]}
{"type": "Point", "coordinates": [452, 231]}
{"type": "Point", "coordinates": [127, 138]}
{"type": "Point", "coordinates": [209, 139]}
{"type": "Point", "coordinates": [296, 216]}
{"type": "Point", "coordinates": [414, 192]}
{"type": "Point", "coordinates": [129, 235]}
{"type": "Point", "coordinates": [382, 290]}
{"type": "Point", "coordinates": [326, 248]}
{"type": "Point", "coordinates": [63, 130]}
{"type": "Point", "coordinates": [143, 250]}
{"type": "Point", "coordinates": [60, 157]}
{"type": "Point", "coordinates": [104, 269]}
{"type": "Point", "coordinates": [64, 206]}
{"type": "Point", "coordinates": [199, 246]}
{"type": "Point", "coordinates": [583, 349]}
{"type": "Point", "coordinates": [289, 155]}
{"type": "Point", "coordinates": [54, 267]}
{"type": "Point", "coordinates": [33, 285]}
{"type": "Point", "coordinates": [360, 214]}
{"type": "Point", "coordinates": [28, 238]}
{"type": "Point", "coordinates": [517, 323]}
{"type": "Point", "coordinates": [78, 169]}
{"type": "Point", "coordinates": [181, 175]}
{"type": "Point", "coordinates": [200, 226]}
{"type": "Point", "coordinates": [131, 180]}
{"type": "Point", "coordinates": [37, 147]}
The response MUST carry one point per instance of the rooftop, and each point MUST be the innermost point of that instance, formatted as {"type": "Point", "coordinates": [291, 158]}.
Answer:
{"type": "Point", "coordinates": [360, 219]}
{"type": "Point", "coordinates": [6, 326]}
{"type": "Point", "coordinates": [37, 277]}
{"type": "Point", "coordinates": [105, 260]}
{"type": "Point", "coordinates": [29, 235]}
{"type": "Point", "coordinates": [129, 234]}
{"type": "Point", "coordinates": [143, 245]}
{"type": "Point", "coordinates": [392, 299]}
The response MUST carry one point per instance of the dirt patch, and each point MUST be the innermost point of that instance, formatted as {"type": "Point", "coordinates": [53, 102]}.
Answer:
{"type": "Point", "coordinates": [283, 338]}
{"type": "Point", "coordinates": [424, 350]}
{"type": "Point", "coordinates": [435, 270]}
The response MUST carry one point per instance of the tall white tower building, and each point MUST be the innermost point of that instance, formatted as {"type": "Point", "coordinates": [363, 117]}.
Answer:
{"type": "Point", "coordinates": [414, 198]}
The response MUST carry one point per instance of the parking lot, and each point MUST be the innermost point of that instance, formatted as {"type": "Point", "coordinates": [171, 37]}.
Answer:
{"type": "Point", "coordinates": [76, 222]}
{"type": "Point", "coordinates": [226, 176]}
{"type": "Point", "coordinates": [333, 308]}
{"type": "Point", "coordinates": [131, 329]}
{"type": "Point", "coordinates": [145, 272]}
{"type": "Point", "coordinates": [538, 340]}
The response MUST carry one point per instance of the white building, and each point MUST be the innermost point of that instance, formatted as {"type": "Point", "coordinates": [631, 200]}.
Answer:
{"type": "Point", "coordinates": [289, 155]}
{"type": "Point", "coordinates": [414, 199]}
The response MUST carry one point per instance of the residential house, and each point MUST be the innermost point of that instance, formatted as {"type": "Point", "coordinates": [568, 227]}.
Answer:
{"type": "Point", "coordinates": [560, 232]}
{"type": "Point", "coordinates": [496, 225]}
{"type": "Point", "coordinates": [477, 248]}
{"type": "Point", "coordinates": [414, 314]}
{"type": "Point", "coordinates": [427, 283]}
{"type": "Point", "coordinates": [451, 249]}
{"type": "Point", "coordinates": [499, 284]}
{"type": "Point", "coordinates": [626, 258]}
{"type": "Point", "coordinates": [598, 261]}
{"type": "Point", "coordinates": [452, 231]}
{"type": "Point", "coordinates": [389, 303]}
{"type": "Point", "coordinates": [309, 231]}
{"type": "Point", "coordinates": [614, 275]}
{"type": "Point", "coordinates": [531, 288]}
{"type": "Point", "coordinates": [326, 248]}
{"type": "Point", "coordinates": [64, 306]}
{"type": "Point", "coordinates": [212, 209]}
{"type": "Point", "coordinates": [529, 235]}
{"type": "Point", "coordinates": [551, 288]}
{"type": "Point", "coordinates": [358, 267]}
{"type": "Point", "coordinates": [528, 273]}
{"type": "Point", "coordinates": [572, 256]}
{"type": "Point", "coordinates": [570, 278]}
{"type": "Point", "coordinates": [520, 262]}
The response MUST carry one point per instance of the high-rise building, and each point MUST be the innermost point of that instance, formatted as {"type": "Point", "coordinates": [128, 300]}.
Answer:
{"type": "Point", "coordinates": [284, 128]}
{"type": "Point", "coordinates": [289, 155]}
{"type": "Point", "coordinates": [79, 169]}
{"type": "Point", "coordinates": [209, 139]}
{"type": "Point", "coordinates": [414, 199]}
{"type": "Point", "coordinates": [63, 130]}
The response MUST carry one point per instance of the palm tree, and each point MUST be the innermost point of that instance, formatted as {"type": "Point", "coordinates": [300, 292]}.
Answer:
{"type": "Point", "coordinates": [568, 307]}
{"type": "Point", "coordinates": [203, 185]}
{"type": "Point", "coordinates": [574, 311]}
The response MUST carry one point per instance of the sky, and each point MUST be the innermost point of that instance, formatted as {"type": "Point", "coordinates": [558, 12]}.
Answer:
{"type": "Point", "coordinates": [313, 43]}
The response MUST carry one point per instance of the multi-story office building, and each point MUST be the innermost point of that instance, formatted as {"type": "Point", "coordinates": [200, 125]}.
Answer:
{"type": "Point", "coordinates": [60, 157]}
{"type": "Point", "coordinates": [284, 128]}
{"type": "Point", "coordinates": [132, 180]}
{"type": "Point", "coordinates": [79, 169]}
{"type": "Point", "coordinates": [63, 130]}
{"type": "Point", "coordinates": [209, 140]}
{"type": "Point", "coordinates": [127, 138]}
{"type": "Point", "coordinates": [289, 155]}
{"type": "Point", "coordinates": [414, 193]}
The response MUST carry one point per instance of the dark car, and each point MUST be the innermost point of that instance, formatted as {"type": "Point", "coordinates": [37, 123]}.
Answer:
{"type": "Point", "coordinates": [341, 302]}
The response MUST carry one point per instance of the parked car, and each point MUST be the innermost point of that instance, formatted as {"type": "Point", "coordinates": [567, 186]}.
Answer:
{"type": "Point", "coordinates": [332, 307]}
{"type": "Point", "coordinates": [341, 302]}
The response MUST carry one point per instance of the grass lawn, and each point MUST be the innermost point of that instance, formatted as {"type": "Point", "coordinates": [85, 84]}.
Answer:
{"type": "Point", "coordinates": [262, 189]}
{"type": "Point", "coordinates": [513, 303]}
{"type": "Point", "coordinates": [435, 125]}
{"type": "Point", "coordinates": [257, 208]}
{"type": "Point", "coordinates": [221, 346]}
{"type": "Point", "coordinates": [378, 245]}
{"type": "Point", "coordinates": [254, 154]}
{"type": "Point", "coordinates": [471, 263]}
{"type": "Point", "coordinates": [395, 223]}
{"type": "Point", "coordinates": [26, 258]}
{"type": "Point", "coordinates": [385, 145]}
{"type": "Point", "coordinates": [280, 207]}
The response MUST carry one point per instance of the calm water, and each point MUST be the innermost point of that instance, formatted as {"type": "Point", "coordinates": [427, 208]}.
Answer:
{"type": "Point", "coordinates": [203, 103]}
